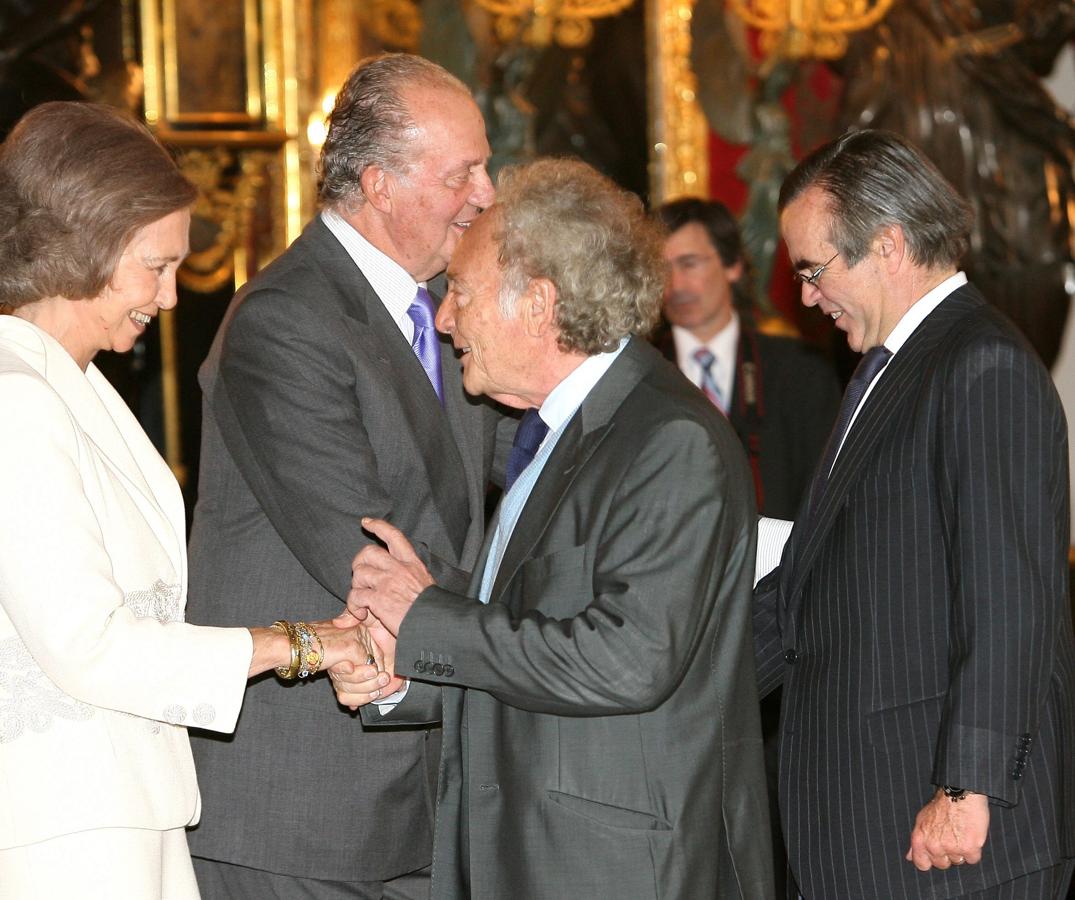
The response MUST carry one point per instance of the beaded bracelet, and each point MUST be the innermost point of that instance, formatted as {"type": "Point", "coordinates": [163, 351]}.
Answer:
{"type": "Point", "coordinates": [310, 659]}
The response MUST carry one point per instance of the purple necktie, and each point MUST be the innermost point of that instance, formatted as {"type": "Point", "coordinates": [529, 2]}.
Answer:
{"type": "Point", "coordinates": [426, 344]}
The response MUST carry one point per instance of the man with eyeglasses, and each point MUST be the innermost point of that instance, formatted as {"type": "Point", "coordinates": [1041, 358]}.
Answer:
{"type": "Point", "coordinates": [780, 396]}
{"type": "Point", "coordinates": [919, 619]}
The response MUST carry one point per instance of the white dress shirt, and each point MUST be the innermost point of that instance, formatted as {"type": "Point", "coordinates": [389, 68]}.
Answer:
{"type": "Point", "coordinates": [724, 346]}
{"type": "Point", "coordinates": [389, 280]}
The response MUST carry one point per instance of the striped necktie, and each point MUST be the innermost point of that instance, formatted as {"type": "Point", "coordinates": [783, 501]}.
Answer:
{"type": "Point", "coordinates": [704, 357]}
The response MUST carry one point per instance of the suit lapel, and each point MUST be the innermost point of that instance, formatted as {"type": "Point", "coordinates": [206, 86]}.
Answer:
{"type": "Point", "coordinates": [436, 440]}
{"type": "Point", "coordinates": [465, 419]}
{"type": "Point", "coordinates": [109, 425]}
{"type": "Point", "coordinates": [590, 425]}
{"type": "Point", "coordinates": [896, 387]}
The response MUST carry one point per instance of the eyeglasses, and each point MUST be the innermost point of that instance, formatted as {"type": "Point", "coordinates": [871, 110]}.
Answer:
{"type": "Point", "coordinates": [812, 278]}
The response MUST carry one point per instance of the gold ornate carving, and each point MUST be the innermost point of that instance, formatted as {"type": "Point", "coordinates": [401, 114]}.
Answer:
{"type": "Point", "coordinates": [568, 22]}
{"type": "Point", "coordinates": [229, 183]}
{"type": "Point", "coordinates": [236, 127]}
{"type": "Point", "coordinates": [799, 29]}
{"type": "Point", "coordinates": [395, 23]}
{"type": "Point", "coordinates": [679, 160]}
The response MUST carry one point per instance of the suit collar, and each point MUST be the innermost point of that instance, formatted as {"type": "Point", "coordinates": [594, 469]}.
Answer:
{"type": "Point", "coordinates": [593, 422]}
{"type": "Point", "coordinates": [393, 285]}
{"type": "Point", "coordinates": [449, 439]}
{"type": "Point", "coordinates": [107, 422]}
{"type": "Point", "coordinates": [897, 387]}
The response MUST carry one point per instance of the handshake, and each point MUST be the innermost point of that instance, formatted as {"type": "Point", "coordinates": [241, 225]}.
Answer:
{"type": "Point", "coordinates": [384, 584]}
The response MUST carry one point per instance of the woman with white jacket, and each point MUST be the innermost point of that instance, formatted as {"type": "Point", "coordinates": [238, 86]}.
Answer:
{"type": "Point", "coordinates": [99, 674]}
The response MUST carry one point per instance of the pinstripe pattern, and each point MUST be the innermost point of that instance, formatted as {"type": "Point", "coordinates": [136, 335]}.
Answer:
{"type": "Point", "coordinates": [925, 614]}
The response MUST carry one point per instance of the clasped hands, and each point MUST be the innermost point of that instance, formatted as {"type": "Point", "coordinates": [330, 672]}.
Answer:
{"type": "Point", "coordinates": [384, 584]}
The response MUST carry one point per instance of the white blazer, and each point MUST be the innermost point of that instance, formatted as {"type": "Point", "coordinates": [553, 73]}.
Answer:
{"type": "Point", "coordinates": [98, 672]}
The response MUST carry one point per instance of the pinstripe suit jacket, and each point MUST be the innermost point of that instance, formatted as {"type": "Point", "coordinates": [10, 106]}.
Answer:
{"type": "Point", "coordinates": [920, 622]}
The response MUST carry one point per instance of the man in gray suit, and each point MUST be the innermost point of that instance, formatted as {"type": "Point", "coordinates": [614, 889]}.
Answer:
{"type": "Point", "coordinates": [607, 742]}
{"type": "Point", "coordinates": [919, 619]}
{"type": "Point", "coordinates": [328, 396]}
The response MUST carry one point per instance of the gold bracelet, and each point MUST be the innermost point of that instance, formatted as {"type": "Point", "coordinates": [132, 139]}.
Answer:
{"type": "Point", "coordinates": [289, 672]}
{"type": "Point", "coordinates": [320, 651]}
{"type": "Point", "coordinates": [309, 658]}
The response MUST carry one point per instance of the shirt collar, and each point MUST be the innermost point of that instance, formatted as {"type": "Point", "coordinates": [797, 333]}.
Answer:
{"type": "Point", "coordinates": [568, 395]}
{"type": "Point", "coordinates": [389, 280]}
{"type": "Point", "coordinates": [723, 345]}
{"type": "Point", "coordinates": [920, 309]}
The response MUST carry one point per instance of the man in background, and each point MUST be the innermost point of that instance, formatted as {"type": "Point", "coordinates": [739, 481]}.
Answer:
{"type": "Point", "coordinates": [780, 395]}
{"type": "Point", "coordinates": [328, 397]}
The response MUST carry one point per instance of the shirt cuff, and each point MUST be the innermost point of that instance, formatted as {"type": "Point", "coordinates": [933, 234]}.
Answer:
{"type": "Point", "coordinates": [385, 705]}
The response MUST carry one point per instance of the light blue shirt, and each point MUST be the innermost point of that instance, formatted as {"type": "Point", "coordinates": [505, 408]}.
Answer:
{"type": "Point", "coordinates": [557, 412]}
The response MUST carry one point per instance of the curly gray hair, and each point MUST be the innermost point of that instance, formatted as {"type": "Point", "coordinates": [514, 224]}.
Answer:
{"type": "Point", "coordinates": [562, 220]}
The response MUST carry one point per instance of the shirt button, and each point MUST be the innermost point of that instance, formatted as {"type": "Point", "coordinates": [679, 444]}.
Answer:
{"type": "Point", "coordinates": [791, 657]}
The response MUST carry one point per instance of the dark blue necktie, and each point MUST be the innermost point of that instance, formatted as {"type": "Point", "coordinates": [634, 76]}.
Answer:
{"type": "Point", "coordinates": [872, 362]}
{"type": "Point", "coordinates": [426, 344]}
{"type": "Point", "coordinates": [528, 437]}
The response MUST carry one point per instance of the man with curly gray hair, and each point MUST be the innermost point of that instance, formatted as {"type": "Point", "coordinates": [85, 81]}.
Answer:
{"type": "Point", "coordinates": [601, 733]}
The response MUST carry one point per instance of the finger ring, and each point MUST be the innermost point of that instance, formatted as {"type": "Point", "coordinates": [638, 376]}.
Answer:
{"type": "Point", "coordinates": [370, 661]}
{"type": "Point", "coordinates": [959, 860]}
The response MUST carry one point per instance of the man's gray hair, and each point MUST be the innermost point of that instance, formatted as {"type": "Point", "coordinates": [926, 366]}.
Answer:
{"type": "Point", "coordinates": [878, 178]}
{"type": "Point", "coordinates": [370, 124]}
{"type": "Point", "coordinates": [560, 219]}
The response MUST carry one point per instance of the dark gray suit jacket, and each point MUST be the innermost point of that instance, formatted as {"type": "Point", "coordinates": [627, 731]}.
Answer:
{"type": "Point", "coordinates": [317, 413]}
{"type": "Point", "coordinates": [920, 623]}
{"type": "Point", "coordinates": [608, 745]}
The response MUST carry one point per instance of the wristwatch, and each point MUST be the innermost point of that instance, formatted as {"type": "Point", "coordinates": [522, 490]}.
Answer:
{"type": "Point", "coordinates": [955, 794]}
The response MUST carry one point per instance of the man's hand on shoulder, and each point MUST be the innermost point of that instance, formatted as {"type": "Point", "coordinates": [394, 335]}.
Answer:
{"type": "Point", "coordinates": [949, 832]}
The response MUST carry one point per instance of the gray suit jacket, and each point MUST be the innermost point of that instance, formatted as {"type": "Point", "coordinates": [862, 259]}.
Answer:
{"type": "Point", "coordinates": [317, 413]}
{"type": "Point", "coordinates": [920, 623]}
{"type": "Point", "coordinates": [608, 743]}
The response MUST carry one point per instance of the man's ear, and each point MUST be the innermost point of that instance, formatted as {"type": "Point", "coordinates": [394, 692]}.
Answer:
{"type": "Point", "coordinates": [890, 245]}
{"type": "Point", "coordinates": [378, 187]}
{"type": "Point", "coordinates": [538, 306]}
